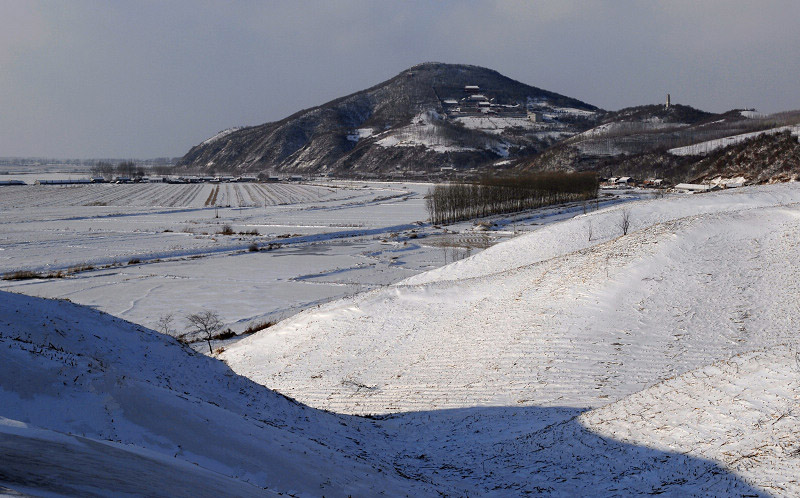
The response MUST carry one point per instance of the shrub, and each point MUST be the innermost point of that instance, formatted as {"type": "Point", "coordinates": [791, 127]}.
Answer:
{"type": "Point", "coordinates": [253, 247]}
{"type": "Point", "coordinates": [255, 327]}
{"type": "Point", "coordinates": [134, 261]}
{"type": "Point", "coordinates": [79, 268]}
{"type": "Point", "coordinates": [625, 221]}
{"type": "Point", "coordinates": [21, 275]}
{"type": "Point", "coordinates": [225, 334]}
{"type": "Point", "coordinates": [226, 230]}
{"type": "Point", "coordinates": [206, 324]}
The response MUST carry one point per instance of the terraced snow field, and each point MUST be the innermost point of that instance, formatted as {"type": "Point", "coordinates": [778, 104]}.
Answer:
{"type": "Point", "coordinates": [551, 318]}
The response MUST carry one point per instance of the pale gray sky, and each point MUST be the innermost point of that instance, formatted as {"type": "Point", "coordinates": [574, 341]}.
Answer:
{"type": "Point", "coordinates": [153, 78]}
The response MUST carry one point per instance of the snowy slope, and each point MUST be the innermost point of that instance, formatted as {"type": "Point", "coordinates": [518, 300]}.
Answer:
{"type": "Point", "coordinates": [552, 319]}
{"type": "Point", "coordinates": [39, 461]}
{"type": "Point", "coordinates": [93, 406]}
{"type": "Point", "coordinates": [711, 145]}
{"type": "Point", "coordinates": [421, 132]}
{"type": "Point", "coordinates": [486, 362]}
{"type": "Point", "coordinates": [742, 413]}
{"type": "Point", "coordinates": [82, 391]}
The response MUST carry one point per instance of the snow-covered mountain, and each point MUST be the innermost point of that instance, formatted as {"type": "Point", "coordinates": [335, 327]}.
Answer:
{"type": "Point", "coordinates": [679, 144]}
{"type": "Point", "coordinates": [439, 120]}
{"type": "Point", "coordinates": [427, 117]}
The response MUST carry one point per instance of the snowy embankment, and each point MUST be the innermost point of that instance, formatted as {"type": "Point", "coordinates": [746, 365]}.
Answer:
{"type": "Point", "coordinates": [742, 413]}
{"type": "Point", "coordinates": [90, 404]}
{"type": "Point", "coordinates": [552, 319]}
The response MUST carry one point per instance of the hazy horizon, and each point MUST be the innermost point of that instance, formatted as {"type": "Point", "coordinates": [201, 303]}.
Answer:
{"type": "Point", "coordinates": [150, 79]}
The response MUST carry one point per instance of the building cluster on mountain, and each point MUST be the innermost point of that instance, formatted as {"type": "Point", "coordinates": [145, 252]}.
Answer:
{"type": "Point", "coordinates": [476, 101]}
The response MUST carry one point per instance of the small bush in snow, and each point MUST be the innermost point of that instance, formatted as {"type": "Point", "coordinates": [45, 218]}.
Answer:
{"type": "Point", "coordinates": [625, 221]}
{"type": "Point", "coordinates": [255, 327]}
{"type": "Point", "coordinates": [21, 275]}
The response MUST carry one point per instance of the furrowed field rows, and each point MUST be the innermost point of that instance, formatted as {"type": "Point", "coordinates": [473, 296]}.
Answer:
{"type": "Point", "coordinates": [164, 195]}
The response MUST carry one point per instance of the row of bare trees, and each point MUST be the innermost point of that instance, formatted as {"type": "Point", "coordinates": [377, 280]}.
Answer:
{"type": "Point", "coordinates": [107, 170]}
{"type": "Point", "coordinates": [448, 203]}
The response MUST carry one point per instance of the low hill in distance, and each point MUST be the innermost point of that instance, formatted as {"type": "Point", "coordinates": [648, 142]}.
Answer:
{"type": "Point", "coordinates": [676, 144]}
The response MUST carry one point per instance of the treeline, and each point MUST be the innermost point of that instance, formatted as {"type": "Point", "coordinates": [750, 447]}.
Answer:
{"type": "Point", "coordinates": [128, 169]}
{"type": "Point", "coordinates": [448, 203]}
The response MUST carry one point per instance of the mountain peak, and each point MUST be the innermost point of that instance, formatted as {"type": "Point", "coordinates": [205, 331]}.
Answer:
{"type": "Point", "coordinates": [431, 116]}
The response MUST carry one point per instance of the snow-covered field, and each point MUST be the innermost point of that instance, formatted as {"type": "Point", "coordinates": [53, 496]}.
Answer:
{"type": "Point", "coordinates": [156, 249]}
{"type": "Point", "coordinates": [150, 244]}
{"type": "Point", "coordinates": [421, 132]}
{"type": "Point", "coordinates": [571, 360]}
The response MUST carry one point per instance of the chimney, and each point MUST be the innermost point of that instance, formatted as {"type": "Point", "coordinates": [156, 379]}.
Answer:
{"type": "Point", "coordinates": [667, 106]}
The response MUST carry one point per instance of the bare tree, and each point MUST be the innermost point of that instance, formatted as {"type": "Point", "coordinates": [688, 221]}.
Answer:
{"type": "Point", "coordinates": [206, 324]}
{"type": "Point", "coordinates": [164, 324]}
{"type": "Point", "coordinates": [625, 221]}
{"type": "Point", "coordinates": [589, 230]}
{"type": "Point", "coordinates": [126, 169]}
{"type": "Point", "coordinates": [104, 169]}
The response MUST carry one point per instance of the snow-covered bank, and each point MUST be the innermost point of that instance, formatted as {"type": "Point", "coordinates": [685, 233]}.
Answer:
{"type": "Point", "coordinates": [71, 376]}
{"type": "Point", "coordinates": [49, 463]}
{"type": "Point", "coordinates": [91, 405]}
{"type": "Point", "coordinates": [742, 413]}
{"type": "Point", "coordinates": [712, 145]}
{"type": "Point", "coordinates": [550, 318]}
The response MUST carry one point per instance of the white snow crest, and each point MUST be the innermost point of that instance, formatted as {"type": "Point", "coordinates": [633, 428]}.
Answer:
{"type": "Point", "coordinates": [221, 134]}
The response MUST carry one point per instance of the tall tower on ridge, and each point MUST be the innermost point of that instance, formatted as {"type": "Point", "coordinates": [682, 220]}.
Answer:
{"type": "Point", "coordinates": [667, 106]}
